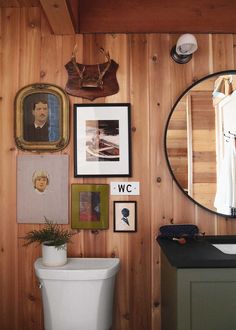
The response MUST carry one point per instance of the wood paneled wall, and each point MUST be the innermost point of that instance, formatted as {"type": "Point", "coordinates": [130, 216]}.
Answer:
{"type": "Point", "coordinates": [151, 82]}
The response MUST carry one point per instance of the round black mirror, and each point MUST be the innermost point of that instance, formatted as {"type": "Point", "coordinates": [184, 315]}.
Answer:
{"type": "Point", "coordinates": [200, 139]}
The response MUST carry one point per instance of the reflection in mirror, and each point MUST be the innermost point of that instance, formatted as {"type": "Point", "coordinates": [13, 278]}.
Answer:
{"type": "Point", "coordinates": [200, 142]}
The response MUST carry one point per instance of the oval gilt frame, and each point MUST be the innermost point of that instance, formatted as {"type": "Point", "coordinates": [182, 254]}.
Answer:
{"type": "Point", "coordinates": [57, 121]}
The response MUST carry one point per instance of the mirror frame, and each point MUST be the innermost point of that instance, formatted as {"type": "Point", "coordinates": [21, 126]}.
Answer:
{"type": "Point", "coordinates": [165, 139]}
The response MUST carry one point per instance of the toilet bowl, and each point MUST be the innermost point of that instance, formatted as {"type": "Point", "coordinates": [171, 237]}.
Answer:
{"type": "Point", "coordinates": [78, 295]}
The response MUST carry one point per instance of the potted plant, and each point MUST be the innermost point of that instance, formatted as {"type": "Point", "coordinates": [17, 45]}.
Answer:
{"type": "Point", "coordinates": [53, 239]}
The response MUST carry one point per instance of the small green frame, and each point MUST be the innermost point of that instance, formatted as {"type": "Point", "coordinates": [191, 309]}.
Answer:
{"type": "Point", "coordinates": [89, 206]}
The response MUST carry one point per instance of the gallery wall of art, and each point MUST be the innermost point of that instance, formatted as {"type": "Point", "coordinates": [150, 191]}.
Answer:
{"type": "Point", "coordinates": [150, 82]}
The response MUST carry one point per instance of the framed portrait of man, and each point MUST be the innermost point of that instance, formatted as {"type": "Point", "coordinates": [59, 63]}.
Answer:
{"type": "Point", "coordinates": [41, 118]}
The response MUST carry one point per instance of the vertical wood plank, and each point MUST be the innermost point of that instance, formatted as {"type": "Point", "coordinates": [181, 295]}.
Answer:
{"type": "Point", "coordinates": [139, 243]}
{"type": "Point", "coordinates": [51, 59]}
{"type": "Point", "coordinates": [30, 43]}
{"type": "Point", "coordinates": [117, 244]}
{"type": "Point", "coordinates": [75, 249]}
{"type": "Point", "coordinates": [117, 45]}
{"type": "Point", "coordinates": [8, 226]}
{"type": "Point", "coordinates": [30, 305]}
{"type": "Point", "coordinates": [30, 309]}
{"type": "Point", "coordinates": [202, 62]}
{"type": "Point", "coordinates": [222, 52]}
{"type": "Point", "coordinates": [161, 207]}
{"type": "Point", "coordinates": [69, 43]}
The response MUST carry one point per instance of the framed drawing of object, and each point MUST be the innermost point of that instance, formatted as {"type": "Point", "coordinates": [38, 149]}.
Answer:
{"type": "Point", "coordinates": [42, 188]}
{"type": "Point", "coordinates": [102, 140]}
{"type": "Point", "coordinates": [125, 219]}
{"type": "Point", "coordinates": [89, 204]}
{"type": "Point", "coordinates": [41, 118]}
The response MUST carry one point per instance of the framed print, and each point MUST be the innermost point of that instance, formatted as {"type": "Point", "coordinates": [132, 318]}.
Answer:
{"type": "Point", "coordinates": [102, 140]}
{"type": "Point", "coordinates": [89, 204]}
{"type": "Point", "coordinates": [42, 188]}
{"type": "Point", "coordinates": [125, 218]}
{"type": "Point", "coordinates": [41, 118]}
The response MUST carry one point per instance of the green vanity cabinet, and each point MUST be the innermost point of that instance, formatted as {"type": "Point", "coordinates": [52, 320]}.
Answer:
{"type": "Point", "coordinates": [197, 298]}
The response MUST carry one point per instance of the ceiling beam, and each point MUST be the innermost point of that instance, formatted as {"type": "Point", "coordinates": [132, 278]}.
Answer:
{"type": "Point", "coordinates": [9, 3]}
{"type": "Point", "coordinates": [58, 15]}
{"type": "Point", "coordinates": [163, 16]}
{"type": "Point", "coordinates": [73, 6]}
{"type": "Point", "coordinates": [135, 16]}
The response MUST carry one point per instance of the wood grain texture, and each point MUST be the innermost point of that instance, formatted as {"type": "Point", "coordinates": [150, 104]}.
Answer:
{"type": "Point", "coordinates": [130, 16]}
{"type": "Point", "coordinates": [161, 208]}
{"type": "Point", "coordinates": [8, 229]}
{"type": "Point", "coordinates": [19, 3]}
{"type": "Point", "coordinates": [139, 243]}
{"type": "Point", "coordinates": [136, 16]}
{"type": "Point", "coordinates": [30, 313]}
{"type": "Point", "coordinates": [57, 12]}
{"type": "Point", "coordinates": [118, 245]}
{"type": "Point", "coordinates": [151, 82]}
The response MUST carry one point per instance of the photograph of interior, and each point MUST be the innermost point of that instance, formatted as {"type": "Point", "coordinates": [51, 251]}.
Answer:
{"type": "Point", "coordinates": [118, 165]}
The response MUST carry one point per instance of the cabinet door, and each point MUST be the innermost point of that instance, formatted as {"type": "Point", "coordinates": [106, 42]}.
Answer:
{"type": "Point", "coordinates": [168, 295]}
{"type": "Point", "coordinates": [206, 299]}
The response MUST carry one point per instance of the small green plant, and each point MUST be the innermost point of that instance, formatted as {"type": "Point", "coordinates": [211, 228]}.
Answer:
{"type": "Point", "coordinates": [52, 234]}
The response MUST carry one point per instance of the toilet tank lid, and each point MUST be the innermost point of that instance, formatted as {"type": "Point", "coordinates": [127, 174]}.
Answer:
{"type": "Point", "coordinates": [79, 269]}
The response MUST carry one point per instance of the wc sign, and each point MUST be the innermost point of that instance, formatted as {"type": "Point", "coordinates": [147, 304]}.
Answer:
{"type": "Point", "coordinates": [124, 188]}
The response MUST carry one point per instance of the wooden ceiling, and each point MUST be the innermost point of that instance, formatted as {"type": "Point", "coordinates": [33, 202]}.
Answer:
{"type": "Point", "coordinates": [135, 16]}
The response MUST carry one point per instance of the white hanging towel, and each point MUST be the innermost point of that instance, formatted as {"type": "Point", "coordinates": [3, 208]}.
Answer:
{"type": "Point", "coordinates": [225, 98]}
{"type": "Point", "coordinates": [225, 198]}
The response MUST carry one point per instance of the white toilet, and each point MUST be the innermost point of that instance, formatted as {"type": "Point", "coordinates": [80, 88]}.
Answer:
{"type": "Point", "coordinates": [78, 295]}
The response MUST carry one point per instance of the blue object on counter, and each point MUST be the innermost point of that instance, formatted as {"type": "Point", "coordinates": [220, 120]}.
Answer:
{"type": "Point", "coordinates": [178, 231]}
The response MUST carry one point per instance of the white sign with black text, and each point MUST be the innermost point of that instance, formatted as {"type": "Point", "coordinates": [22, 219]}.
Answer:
{"type": "Point", "coordinates": [124, 188]}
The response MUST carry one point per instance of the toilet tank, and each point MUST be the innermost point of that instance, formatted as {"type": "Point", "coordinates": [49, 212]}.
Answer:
{"type": "Point", "coordinates": [78, 295]}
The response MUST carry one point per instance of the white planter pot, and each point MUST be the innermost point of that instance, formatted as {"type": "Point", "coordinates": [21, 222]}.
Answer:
{"type": "Point", "coordinates": [52, 256]}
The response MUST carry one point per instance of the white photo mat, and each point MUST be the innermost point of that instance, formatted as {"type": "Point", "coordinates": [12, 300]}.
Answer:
{"type": "Point", "coordinates": [98, 115]}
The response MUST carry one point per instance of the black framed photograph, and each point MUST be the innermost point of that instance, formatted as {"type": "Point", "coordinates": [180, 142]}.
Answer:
{"type": "Point", "coordinates": [41, 118]}
{"type": "Point", "coordinates": [102, 144]}
{"type": "Point", "coordinates": [89, 206]}
{"type": "Point", "coordinates": [125, 216]}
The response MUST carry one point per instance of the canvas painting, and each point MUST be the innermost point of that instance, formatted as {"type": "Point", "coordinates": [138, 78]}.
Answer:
{"type": "Point", "coordinates": [42, 189]}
